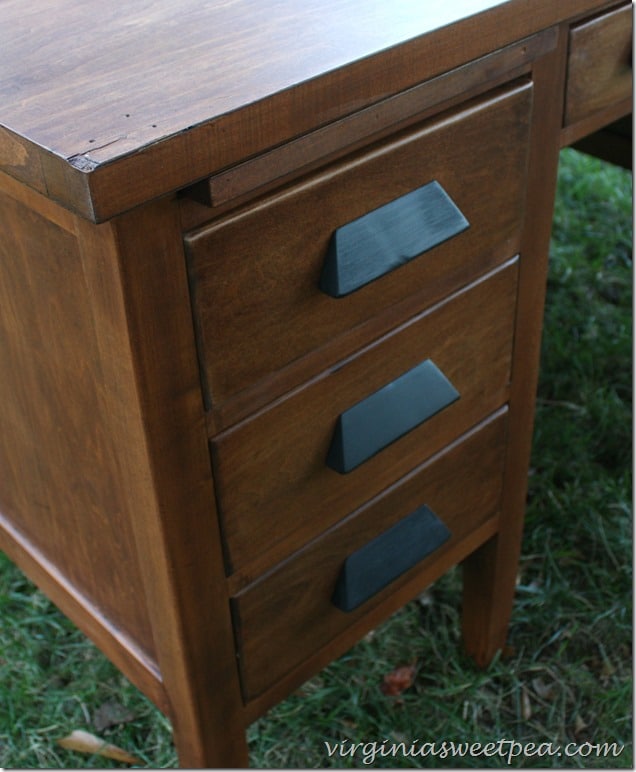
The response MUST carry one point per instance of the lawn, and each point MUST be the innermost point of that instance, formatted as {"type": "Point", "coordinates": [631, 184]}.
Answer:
{"type": "Point", "coordinates": [565, 677]}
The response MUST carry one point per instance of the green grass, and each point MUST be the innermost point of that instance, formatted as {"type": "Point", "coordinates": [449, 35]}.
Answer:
{"type": "Point", "coordinates": [566, 675]}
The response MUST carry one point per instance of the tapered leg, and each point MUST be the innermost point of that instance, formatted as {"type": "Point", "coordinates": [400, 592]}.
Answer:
{"type": "Point", "coordinates": [489, 584]}
{"type": "Point", "coordinates": [490, 572]}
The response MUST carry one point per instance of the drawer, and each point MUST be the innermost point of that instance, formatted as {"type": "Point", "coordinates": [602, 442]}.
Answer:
{"type": "Point", "coordinates": [256, 275]}
{"type": "Point", "coordinates": [276, 474]}
{"type": "Point", "coordinates": [294, 610]}
{"type": "Point", "coordinates": [599, 64]}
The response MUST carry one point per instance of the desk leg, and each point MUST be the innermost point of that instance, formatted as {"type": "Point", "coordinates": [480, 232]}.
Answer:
{"type": "Point", "coordinates": [489, 585]}
{"type": "Point", "coordinates": [175, 524]}
{"type": "Point", "coordinates": [490, 573]}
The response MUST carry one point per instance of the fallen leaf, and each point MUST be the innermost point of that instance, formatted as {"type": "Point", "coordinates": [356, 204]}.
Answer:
{"type": "Point", "coordinates": [607, 671]}
{"type": "Point", "coordinates": [541, 689]}
{"type": "Point", "coordinates": [526, 705]}
{"type": "Point", "coordinates": [395, 682]}
{"type": "Point", "coordinates": [579, 724]}
{"type": "Point", "coordinates": [85, 742]}
{"type": "Point", "coordinates": [111, 713]}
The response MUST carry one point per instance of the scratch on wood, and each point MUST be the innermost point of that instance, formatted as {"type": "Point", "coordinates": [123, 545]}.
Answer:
{"type": "Point", "coordinates": [84, 162]}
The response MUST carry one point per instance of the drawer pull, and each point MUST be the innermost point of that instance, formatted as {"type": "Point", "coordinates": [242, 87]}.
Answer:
{"type": "Point", "coordinates": [388, 237]}
{"type": "Point", "coordinates": [392, 553]}
{"type": "Point", "coordinates": [385, 416]}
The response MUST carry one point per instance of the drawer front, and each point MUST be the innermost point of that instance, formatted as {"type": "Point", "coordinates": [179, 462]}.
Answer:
{"type": "Point", "coordinates": [297, 608]}
{"type": "Point", "coordinates": [599, 65]}
{"type": "Point", "coordinates": [423, 214]}
{"type": "Point", "coordinates": [279, 477]}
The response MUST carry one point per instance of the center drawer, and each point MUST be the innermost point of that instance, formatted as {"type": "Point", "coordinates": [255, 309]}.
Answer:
{"type": "Point", "coordinates": [599, 65]}
{"type": "Point", "coordinates": [308, 460]}
{"type": "Point", "coordinates": [420, 215]}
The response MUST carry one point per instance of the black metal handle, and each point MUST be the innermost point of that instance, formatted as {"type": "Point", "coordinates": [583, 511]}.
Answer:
{"type": "Point", "coordinates": [388, 556]}
{"type": "Point", "coordinates": [382, 240]}
{"type": "Point", "coordinates": [383, 417]}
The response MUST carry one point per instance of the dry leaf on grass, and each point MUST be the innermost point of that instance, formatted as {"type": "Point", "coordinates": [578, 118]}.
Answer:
{"type": "Point", "coordinates": [541, 689]}
{"type": "Point", "coordinates": [579, 724]}
{"type": "Point", "coordinates": [395, 682]}
{"type": "Point", "coordinates": [526, 705]}
{"type": "Point", "coordinates": [85, 742]}
{"type": "Point", "coordinates": [111, 713]}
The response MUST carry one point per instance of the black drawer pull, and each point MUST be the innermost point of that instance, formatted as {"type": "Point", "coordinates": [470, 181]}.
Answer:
{"type": "Point", "coordinates": [382, 240]}
{"type": "Point", "coordinates": [374, 566]}
{"type": "Point", "coordinates": [383, 417]}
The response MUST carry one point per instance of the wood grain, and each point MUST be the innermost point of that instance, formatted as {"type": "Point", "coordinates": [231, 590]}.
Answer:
{"type": "Point", "coordinates": [127, 107]}
{"type": "Point", "coordinates": [273, 486]}
{"type": "Point", "coordinates": [490, 572]}
{"type": "Point", "coordinates": [287, 615]}
{"type": "Point", "coordinates": [339, 645]}
{"type": "Point", "coordinates": [599, 64]}
{"type": "Point", "coordinates": [174, 520]}
{"type": "Point", "coordinates": [64, 495]}
{"type": "Point", "coordinates": [109, 496]}
{"type": "Point", "coordinates": [136, 71]}
{"type": "Point", "coordinates": [353, 131]}
{"type": "Point", "coordinates": [266, 261]}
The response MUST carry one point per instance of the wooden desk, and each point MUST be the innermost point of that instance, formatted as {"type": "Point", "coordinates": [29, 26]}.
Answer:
{"type": "Point", "coordinates": [232, 439]}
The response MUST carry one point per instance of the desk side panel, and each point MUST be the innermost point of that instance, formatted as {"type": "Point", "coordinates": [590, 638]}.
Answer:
{"type": "Point", "coordinates": [65, 517]}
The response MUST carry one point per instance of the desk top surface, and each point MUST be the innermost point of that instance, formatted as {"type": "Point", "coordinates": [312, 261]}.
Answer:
{"type": "Point", "coordinates": [87, 86]}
